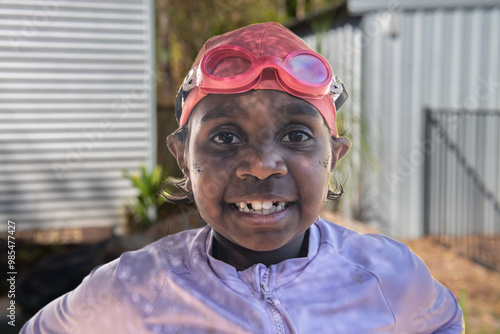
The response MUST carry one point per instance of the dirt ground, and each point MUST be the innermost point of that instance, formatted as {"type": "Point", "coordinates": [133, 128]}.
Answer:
{"type": "Point", "coordinates": [477, 288]}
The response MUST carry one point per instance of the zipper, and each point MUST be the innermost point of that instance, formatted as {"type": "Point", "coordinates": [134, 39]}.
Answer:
{"type": "Point", "coordinates": [266, 293]}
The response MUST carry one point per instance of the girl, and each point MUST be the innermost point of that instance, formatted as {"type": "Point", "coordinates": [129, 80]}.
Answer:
{"type": "Point", "coordinates": [257, 143]}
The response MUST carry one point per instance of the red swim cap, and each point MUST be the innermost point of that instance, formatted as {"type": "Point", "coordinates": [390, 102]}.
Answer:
{"type": "Point", "coordinates": [235, 62]}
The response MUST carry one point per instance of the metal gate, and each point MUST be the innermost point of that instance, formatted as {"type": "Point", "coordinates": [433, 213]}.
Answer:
{"type": "Point", "coordinates": [462, 183]}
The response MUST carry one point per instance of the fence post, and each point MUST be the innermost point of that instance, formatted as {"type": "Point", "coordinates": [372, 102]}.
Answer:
{"type": "Point", "coordinates": [427, 171]}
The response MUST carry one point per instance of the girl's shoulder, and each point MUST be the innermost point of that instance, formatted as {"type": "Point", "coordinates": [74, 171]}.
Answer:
{"type": "Point", "coordinates": [378, 254]}
{"type": "Point", "coordinates": [150, 264]}
{"type": "Point", "coordinates": [342, 237]}
{"type": "Point", "coordinates": [116, 296]}
{"type": "Point", "coordinates": [172, 253]}
{"type": "Point", "coordinates": [415, 299]}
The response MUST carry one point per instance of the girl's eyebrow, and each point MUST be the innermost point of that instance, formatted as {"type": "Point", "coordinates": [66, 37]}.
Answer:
{"type": "Point", "coordinates": [296, 109]}
{"type": "Point", "coordinates": [223, 112]}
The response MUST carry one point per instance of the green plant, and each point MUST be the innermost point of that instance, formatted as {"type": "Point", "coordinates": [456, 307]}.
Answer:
{"type": "Point", "coordinates": [143, 212]}
{"type": "Point", "coordinates": [462, 302]}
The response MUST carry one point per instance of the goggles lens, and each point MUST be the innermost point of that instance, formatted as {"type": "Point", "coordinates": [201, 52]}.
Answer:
{"type": "Point", "coordinates": [308, 68]}
{"type": "Point", "coordinates": [223, 66]}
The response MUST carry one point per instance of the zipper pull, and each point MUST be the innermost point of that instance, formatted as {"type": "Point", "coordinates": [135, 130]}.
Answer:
{"type": "Point", "coordinates": [265, 291]}
{"type": "Point", "coordinates": [265, 287]}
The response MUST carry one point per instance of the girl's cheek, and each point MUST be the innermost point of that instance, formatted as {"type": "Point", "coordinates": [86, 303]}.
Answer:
{"type": "Point", "coordinates": [208, 187]}
{"type": "Point", "coordinates": [195, 167]}
{"type": "Point", "coordinates": [325, 164]}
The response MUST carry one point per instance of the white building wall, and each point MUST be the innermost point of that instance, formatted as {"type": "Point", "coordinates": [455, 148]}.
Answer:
{"type": "Point", "coordinates": [77, 105]}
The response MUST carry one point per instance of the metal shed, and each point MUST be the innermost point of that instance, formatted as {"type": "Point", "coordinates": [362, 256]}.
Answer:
{"type": "Point", "coordinates": [77, 105]}
{"type": "Point", "coordinates": [399, 58]}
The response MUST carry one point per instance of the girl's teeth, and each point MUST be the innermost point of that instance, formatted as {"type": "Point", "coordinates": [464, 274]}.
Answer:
{"type": "Point", "coordinates": [267, 205]}
{"type": "Point", "coordinates": [256, 205]}
{"type": "Point", "coordinates": [260, 207]}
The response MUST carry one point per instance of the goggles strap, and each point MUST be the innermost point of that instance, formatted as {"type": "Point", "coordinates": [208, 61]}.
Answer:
{"type": "Point", "coordinates": [338, 92]}
{"type": "Point", "coordinates": [191, 79]}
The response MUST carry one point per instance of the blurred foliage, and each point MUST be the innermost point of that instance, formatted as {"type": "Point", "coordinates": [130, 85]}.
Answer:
{"type": "Point", "coordinates": [184, 26]}
{"type": "Point", "coordinates": [144, 211]}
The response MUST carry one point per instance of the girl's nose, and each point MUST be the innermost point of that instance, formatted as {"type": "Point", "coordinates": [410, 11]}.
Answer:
{"type": "Point", "coordinates": [261, 163]}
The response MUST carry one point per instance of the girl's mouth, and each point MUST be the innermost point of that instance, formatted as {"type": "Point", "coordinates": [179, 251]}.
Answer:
{"type": "Point", "coordinates": [260, 207]}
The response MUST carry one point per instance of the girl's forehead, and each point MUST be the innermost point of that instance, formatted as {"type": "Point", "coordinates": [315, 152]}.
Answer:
{"type": "Point", "coordinates": [274, 105]}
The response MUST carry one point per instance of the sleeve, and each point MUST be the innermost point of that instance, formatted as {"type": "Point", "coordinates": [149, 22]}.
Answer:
{"type": "Point", "coordinates": [419, 303]}
{"type": "Point", "coordinates": [113, 299]}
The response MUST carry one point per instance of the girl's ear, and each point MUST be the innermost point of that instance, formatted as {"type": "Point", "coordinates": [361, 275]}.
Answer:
{"type": "Point", "coordinates": [177, 147]}
{"type": "Point", "coordinates": [340, 147]}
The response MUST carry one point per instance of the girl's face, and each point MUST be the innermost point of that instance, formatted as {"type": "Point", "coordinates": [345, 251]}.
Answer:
{"type": "Point", "coordinates": [258, 165]}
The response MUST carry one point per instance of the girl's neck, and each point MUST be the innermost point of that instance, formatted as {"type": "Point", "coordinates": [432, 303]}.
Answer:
{"type": "Point", "coordinates": [242, 258]}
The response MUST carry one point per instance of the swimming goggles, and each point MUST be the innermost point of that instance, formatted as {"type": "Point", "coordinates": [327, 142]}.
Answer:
{"type": "Point", "coordinates": [231, 69]}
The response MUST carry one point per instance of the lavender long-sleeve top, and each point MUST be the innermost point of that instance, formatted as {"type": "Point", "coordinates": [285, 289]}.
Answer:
{"type": "Point", "coordinates": [348, 283]}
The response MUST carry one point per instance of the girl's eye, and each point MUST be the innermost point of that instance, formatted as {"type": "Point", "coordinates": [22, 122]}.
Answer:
{"type": "Point", "coordinates": [226, 138]}
{"type": "Point", "coordinates": [296, 137]}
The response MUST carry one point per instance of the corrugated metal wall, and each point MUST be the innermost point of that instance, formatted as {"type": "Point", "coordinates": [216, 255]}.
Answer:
{"type": "Point", "coordinates": [77, 104]}
{"type": "Point", "coordinates": [415, 55]}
